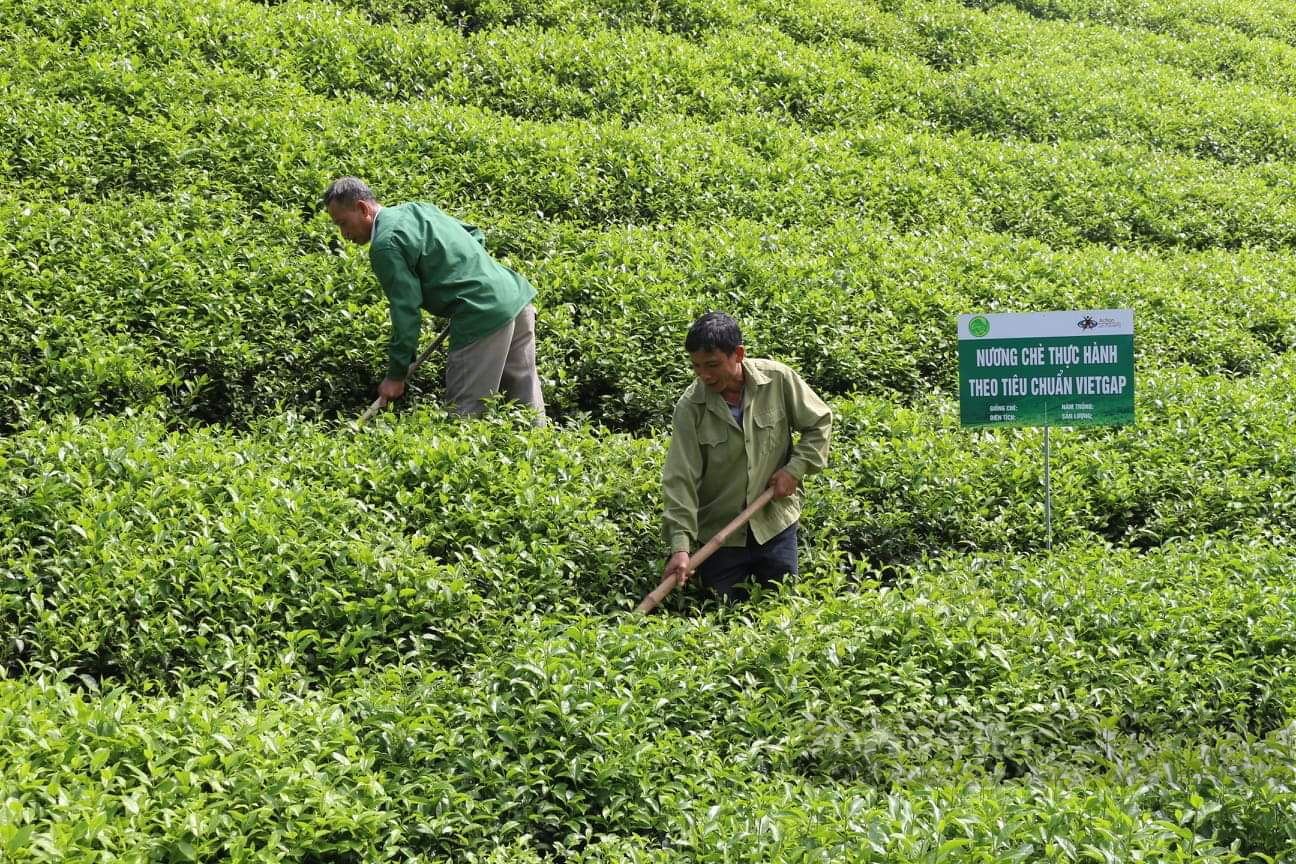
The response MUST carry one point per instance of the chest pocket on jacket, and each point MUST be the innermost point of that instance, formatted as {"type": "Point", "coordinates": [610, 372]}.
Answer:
{"type": "Point", "coordinates": [770, 429]}
{"type": "Point", "coordinates": [716, 438]}
{"type": "Point", "coordinates": [711, 431]}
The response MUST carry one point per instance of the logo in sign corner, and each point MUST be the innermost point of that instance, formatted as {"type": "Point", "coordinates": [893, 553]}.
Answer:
{"type": "Point", "coordinates": [1087, 323]}
{"type": "Point", "coordinates": [979, 326]}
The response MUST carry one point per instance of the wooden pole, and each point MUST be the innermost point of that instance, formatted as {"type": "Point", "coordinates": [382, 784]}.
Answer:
{"type": "Point", "coordinates": [380, 402]}
{"type": "Point", "coordinates": [695, 560]}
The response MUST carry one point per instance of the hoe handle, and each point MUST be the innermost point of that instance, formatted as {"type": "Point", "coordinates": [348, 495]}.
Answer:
{"type": "Point", "coordinates": [380, 402]}
{"type": "Point", "coordinates": [667, 585]}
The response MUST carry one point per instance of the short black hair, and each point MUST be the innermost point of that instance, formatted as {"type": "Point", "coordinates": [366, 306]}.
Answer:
{"type": "Point", "coordinates": [714, 331]}
{"type": "Point", "coordinates": [346, 190]}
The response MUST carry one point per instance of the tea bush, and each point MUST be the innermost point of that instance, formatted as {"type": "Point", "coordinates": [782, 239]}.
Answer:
{"type": "Point", "coordinates": [949, 65]}
{"type": "Point", "coordinates": [226, 314]}
{"type": "Point", "coordinates": [235, 626]}
{"type": "Point", "coordinates": [788, 727]}
{"type": "Point", "coordinates": [1265, 19]}
{"type": "Point", "coordinates": [140, 554]}
{"type": "Point", "coordinates": [146, 555]}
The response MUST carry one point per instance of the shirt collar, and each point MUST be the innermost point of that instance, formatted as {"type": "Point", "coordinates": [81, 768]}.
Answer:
{"type": "Point", "coordinates": [752, 374]}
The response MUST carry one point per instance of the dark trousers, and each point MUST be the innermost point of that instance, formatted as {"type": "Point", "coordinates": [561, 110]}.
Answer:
{"type": "Point", "coordinates": [765, 563]}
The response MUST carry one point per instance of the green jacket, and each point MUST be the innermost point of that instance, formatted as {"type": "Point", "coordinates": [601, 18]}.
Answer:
{"type": "Point", "coordinates": [714, 469]}
{"type": "Point", "coordinates": [426, 259]}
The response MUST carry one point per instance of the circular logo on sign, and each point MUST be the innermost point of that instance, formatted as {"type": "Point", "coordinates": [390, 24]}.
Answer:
{"type": "Point", "coordinates": [979, 326]}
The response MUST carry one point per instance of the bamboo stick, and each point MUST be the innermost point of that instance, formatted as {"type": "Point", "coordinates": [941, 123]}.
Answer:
{"type": "Point", "coordinates": [667, 585]}
{"type": "Point", "coordinates": [380, 402]}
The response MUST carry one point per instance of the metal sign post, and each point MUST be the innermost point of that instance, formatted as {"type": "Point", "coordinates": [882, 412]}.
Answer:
{"type": "Point", "coordinates": [1044, 369]}
{"type": "Point", "coordinates": [1048, 489]}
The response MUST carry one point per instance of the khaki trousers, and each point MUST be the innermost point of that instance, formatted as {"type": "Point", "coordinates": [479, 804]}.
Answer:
{"type": "Point", "coordinates": [503, 361]}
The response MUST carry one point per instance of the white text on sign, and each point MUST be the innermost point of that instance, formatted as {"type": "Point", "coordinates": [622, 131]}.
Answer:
{"type": "Point", "coordinates": [1060, 355]}
{"type": "Point", "coordinates": [1056, 385]}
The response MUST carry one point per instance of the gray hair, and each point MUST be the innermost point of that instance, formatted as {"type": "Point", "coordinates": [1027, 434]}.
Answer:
{"type": "Point", "coordinates": [346, 190]}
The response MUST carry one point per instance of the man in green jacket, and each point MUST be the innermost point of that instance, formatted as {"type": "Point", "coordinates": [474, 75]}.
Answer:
{"type": "Point", "coordinates": [733, 438]}
{"type": "Point", "coordinates": [426, 259]}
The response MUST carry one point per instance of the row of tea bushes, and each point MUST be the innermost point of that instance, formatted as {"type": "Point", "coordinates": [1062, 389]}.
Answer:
{"type": "Point", "coordinates": [1093, 702]}
{"type": "Point", "coordinates": [226, 313]}
{"type": "Point", "coordinates": [1265, 19]}
{"type": "Point", "coordinates": [78, 129]}
{"type": "Point", "coordinates": [1206, 456]}
{"type": "Point", "coordinates": [939, 35]}
{"type": "Point", "coordinates": [863, 308]}
{"type": "Point", "coordinates": [667, 170]}
{"type": "Point", "coordinates": [197, 777]}
{"type": "Point", "coordinates": [139, 554]}
{"type": "Point", "coordinates": [195, 302]}
{"type": "Point", "coordinates": [999, 75]}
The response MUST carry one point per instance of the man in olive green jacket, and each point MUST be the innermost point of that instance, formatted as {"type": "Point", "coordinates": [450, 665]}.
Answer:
{"type": "Point", "coordinates": [426, 259]}
{"type": "Point", "coordinates": [733, 438]}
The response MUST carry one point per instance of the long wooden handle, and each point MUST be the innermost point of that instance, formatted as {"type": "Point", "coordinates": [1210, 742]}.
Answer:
{"type": "Point", "coordinates": [695, 560]}
{"type": "Point", "coordinates": [380, 402]}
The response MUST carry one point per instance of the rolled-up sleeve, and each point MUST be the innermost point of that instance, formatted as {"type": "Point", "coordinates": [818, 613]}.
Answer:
{"type": "Point", "coordinates": [680, 478]}
{"type": "Point", "coordinates": [811, 416]}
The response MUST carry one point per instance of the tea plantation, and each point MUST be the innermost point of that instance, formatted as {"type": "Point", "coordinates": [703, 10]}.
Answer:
{"type": "Point", "coordinates": [236, 626]}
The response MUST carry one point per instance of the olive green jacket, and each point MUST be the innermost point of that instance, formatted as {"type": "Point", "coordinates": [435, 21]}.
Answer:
{"type": "Point", "coordinates": [714, 469]}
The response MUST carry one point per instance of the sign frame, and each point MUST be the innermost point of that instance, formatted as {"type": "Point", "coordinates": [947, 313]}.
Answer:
{"type": "Point", "coordinates": [1070, 368]}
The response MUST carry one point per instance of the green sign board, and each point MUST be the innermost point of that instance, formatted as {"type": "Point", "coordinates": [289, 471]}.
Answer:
{"type": "Point", "coordinates": [1047, 368]}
